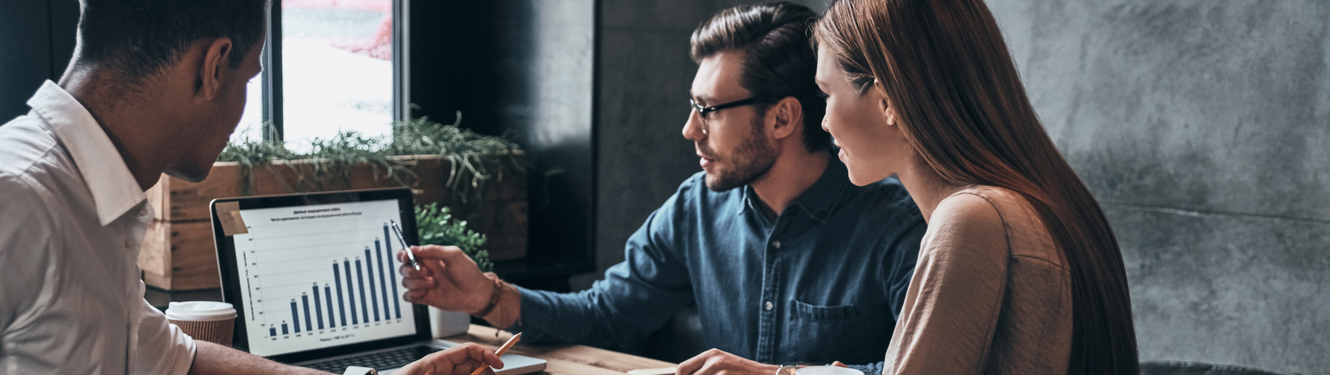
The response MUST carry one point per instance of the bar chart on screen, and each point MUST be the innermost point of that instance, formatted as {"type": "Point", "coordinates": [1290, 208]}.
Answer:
{"type": "Point", "coordinates": [315, 274]}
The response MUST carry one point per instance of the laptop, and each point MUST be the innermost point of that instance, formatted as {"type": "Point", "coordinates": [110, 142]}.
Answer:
{"type": "Point", "coordinates": [313, 278]}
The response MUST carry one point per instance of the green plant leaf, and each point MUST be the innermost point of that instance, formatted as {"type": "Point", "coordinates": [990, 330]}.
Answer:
{"type": "Point", "coordinates": [437, 227]}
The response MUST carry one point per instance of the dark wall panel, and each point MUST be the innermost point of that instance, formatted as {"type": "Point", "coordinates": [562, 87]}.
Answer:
{"type": "Point", "coordinates": [36, 43]}
{"type": "Point", "coordinates": [25, 54]}
{"type": "Point", "coordinates": [524, 66]}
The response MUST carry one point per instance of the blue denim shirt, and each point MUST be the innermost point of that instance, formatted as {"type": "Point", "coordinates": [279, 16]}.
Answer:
{"type": "Point", "coordinates": [824, 282]}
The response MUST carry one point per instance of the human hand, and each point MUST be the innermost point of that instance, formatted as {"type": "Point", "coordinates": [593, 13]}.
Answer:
{"type": "Point", "coordinates": [458, 360]}
{"type": "Point", "coordinates": [718, 362]}
{"type": "Point", "coordinates": [448, 279]}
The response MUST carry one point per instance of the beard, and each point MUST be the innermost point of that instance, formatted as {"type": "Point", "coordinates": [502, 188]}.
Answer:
{"type": "Point", "coordinates": [751, 162]}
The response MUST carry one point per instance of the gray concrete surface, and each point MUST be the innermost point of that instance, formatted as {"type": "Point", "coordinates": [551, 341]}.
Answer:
{"type": "Point", "coordinates": [1203, 127]}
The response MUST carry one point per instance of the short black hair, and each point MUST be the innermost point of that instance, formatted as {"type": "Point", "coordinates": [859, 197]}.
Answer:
{"type": "Point", "coordinates": [140, 37]}
{"type": "Point", "coordinates": [778, 60]}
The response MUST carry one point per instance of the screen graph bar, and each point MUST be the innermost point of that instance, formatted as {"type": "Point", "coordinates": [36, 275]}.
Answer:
{"type": "Point", "coordinates": [295, 317]}
{"type": "Point", "coordinates": [383, 283]}
{"type": "Point", "coordinates": [392, 274]}
{"type": "Point", "coordinates": [373, 293]}
{"type": "Point", "coordinates": [272, 331]}
{"type": "Point", "coordinates": [350, 292]}
{"type": "Point", "coordinates": [284, 331]}
{"type": "Point", "coordinates": [360, 277]}
{"type": "Point", "coordinates": [318, 306]}
{"type": "Point", "coordinates": [309, 326]}
{"type": "Point", "coordinates": [327, 296]}
{"type": "Point", "coordinates": [341, 305]}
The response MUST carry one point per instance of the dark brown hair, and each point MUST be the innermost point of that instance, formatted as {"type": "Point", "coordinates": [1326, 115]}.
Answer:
{"type": "Point", "coordinates": [778, 61]}
{"type": "Point", "coordinates": [945, 69]}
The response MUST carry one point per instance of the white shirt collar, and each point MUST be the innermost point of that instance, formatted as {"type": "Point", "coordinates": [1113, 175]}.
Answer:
{"type": "Point", "coordinates": [113, 187]}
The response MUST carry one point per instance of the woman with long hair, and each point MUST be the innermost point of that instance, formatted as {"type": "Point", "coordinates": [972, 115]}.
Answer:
{"type": "Point", "coordinates": [1019, 272]}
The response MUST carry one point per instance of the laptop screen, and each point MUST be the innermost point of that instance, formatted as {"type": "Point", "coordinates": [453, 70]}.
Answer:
{"type": "Point", "coordinates": [316, 271]}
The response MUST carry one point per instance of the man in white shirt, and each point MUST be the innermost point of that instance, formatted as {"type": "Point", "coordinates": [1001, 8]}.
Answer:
{"type": "Point", "coordinates": [155, 85]}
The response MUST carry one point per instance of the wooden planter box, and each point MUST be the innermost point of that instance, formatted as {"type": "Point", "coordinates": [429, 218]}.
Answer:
{"type": "Point", "coordinates": [179, 254]}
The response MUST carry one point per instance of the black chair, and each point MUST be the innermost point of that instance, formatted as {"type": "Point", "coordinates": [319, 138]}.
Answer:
{"type": "Point", "coordinates": [1193, 368]}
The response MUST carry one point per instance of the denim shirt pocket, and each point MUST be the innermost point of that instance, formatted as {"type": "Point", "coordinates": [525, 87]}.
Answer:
{"type": "Point", "coordinates": [825, 313]}
{"type": "Point", "coordinates": [852, 333]}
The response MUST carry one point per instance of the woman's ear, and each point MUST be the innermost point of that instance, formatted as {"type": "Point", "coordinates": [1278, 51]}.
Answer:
{"type": "Point", "coordinates": [883, 105]}
{"type": "Point", "coordinates": [890, 112]}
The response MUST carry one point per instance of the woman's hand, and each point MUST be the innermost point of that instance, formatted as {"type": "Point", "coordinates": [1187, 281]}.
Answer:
{"type": "Point", "coordinates": [458, 360]}
{"type": "Point", "coordinates": [718, 362]}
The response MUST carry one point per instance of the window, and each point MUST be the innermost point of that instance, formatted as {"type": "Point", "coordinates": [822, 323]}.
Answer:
{"type": "Point", "coordinates": [329, 66]}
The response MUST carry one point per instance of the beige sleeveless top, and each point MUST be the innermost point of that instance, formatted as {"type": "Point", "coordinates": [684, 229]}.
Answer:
{"type": "Point", "coordinates": [991, 293]}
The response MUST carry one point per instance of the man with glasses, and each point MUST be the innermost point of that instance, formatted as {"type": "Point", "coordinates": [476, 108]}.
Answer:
{"type": "Point", "coordinates": [785, 259]}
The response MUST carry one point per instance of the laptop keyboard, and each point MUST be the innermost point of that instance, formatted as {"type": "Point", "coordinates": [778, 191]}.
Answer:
{"type": "Point", "coordinates": [380, 360]}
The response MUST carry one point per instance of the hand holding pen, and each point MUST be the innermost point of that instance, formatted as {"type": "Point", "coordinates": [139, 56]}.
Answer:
{"type": "Point", "coordinates": [447, 279]}
{"type": "Point", "coordinates": [499, 353]}
{"type": "Point", "coordinates": [456, 360]}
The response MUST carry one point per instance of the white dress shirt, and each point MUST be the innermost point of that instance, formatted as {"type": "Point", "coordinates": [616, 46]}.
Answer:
{"type": "Point", "coordinates": [71, 298]}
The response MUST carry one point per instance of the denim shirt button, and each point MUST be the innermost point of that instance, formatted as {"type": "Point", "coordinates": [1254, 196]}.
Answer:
{"type": "Point", "coordinates": [775, 244]}
{"type": "Point", "coordinates": [770, 306]}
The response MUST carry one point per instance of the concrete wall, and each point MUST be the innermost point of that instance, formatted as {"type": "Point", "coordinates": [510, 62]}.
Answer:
{"type": "Point", "coordinates": [1203, 127]}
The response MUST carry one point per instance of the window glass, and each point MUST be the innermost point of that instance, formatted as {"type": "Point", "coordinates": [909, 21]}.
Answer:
{"type": "Point", "coordinates": [337, 70]}
{"type": "Point", "coordinates": [251, 123]}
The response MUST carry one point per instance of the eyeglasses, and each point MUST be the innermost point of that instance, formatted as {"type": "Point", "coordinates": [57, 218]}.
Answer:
{"type": "Point", "coordinates": [703, 111]}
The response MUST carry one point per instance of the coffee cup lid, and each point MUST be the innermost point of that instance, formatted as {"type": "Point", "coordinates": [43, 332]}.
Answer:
{"type": "Point", "coordinates": [200, 311]}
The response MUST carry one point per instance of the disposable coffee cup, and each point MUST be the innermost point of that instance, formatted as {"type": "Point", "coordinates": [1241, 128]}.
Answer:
{"type": "Point", "coordinates": [204, 320]}
{"type": "Point", "coordinates": [828, 370]}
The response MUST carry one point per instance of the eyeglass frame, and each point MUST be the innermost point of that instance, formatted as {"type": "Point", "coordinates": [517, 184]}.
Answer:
{"type": "Point", "coordinates": [703, 110]}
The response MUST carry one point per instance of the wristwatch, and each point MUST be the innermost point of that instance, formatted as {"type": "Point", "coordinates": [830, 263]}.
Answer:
{"type": "Point", "coordinates": [354, 370]}
{"type": "Point", "coordinates": [787, 370]}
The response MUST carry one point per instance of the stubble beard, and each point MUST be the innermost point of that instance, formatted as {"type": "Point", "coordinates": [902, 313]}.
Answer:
{"type": "Point", "coordinates": [751, 161]}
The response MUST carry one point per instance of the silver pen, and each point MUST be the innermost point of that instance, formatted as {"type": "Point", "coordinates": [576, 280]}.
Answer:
{"type": "Point", "coordinates": [409, 255]}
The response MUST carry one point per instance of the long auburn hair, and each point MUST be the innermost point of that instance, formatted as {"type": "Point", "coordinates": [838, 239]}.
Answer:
{"type": "Point", "coordinates": [945, 70]}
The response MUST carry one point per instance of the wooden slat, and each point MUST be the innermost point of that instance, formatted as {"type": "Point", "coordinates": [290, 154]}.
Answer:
{"type": "Point", "coordinates": [155, 255]}
{"type": "Point", "coordinates": [193, 256]}
{"type": "Point", "coordinates": [565, 359]}
{"type": "Point", "coordinates": [179, 256]}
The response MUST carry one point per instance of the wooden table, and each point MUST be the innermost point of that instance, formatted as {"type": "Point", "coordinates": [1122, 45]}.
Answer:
{"type": "Point", "coordinates": [564, 359]}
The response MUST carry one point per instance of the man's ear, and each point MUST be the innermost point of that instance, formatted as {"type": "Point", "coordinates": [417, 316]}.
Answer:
{"type": "Point", "coordinates": [787, 114]}
{"type": "Point", "coordinates": [215, 69]}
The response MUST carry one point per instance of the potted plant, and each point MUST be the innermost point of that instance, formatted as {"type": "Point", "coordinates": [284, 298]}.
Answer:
{"type": "Point", "coordinates": [438, 227]}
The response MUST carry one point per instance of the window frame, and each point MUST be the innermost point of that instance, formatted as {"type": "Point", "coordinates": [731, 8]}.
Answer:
{"type": "Point", "coordinates": [273, 128]}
